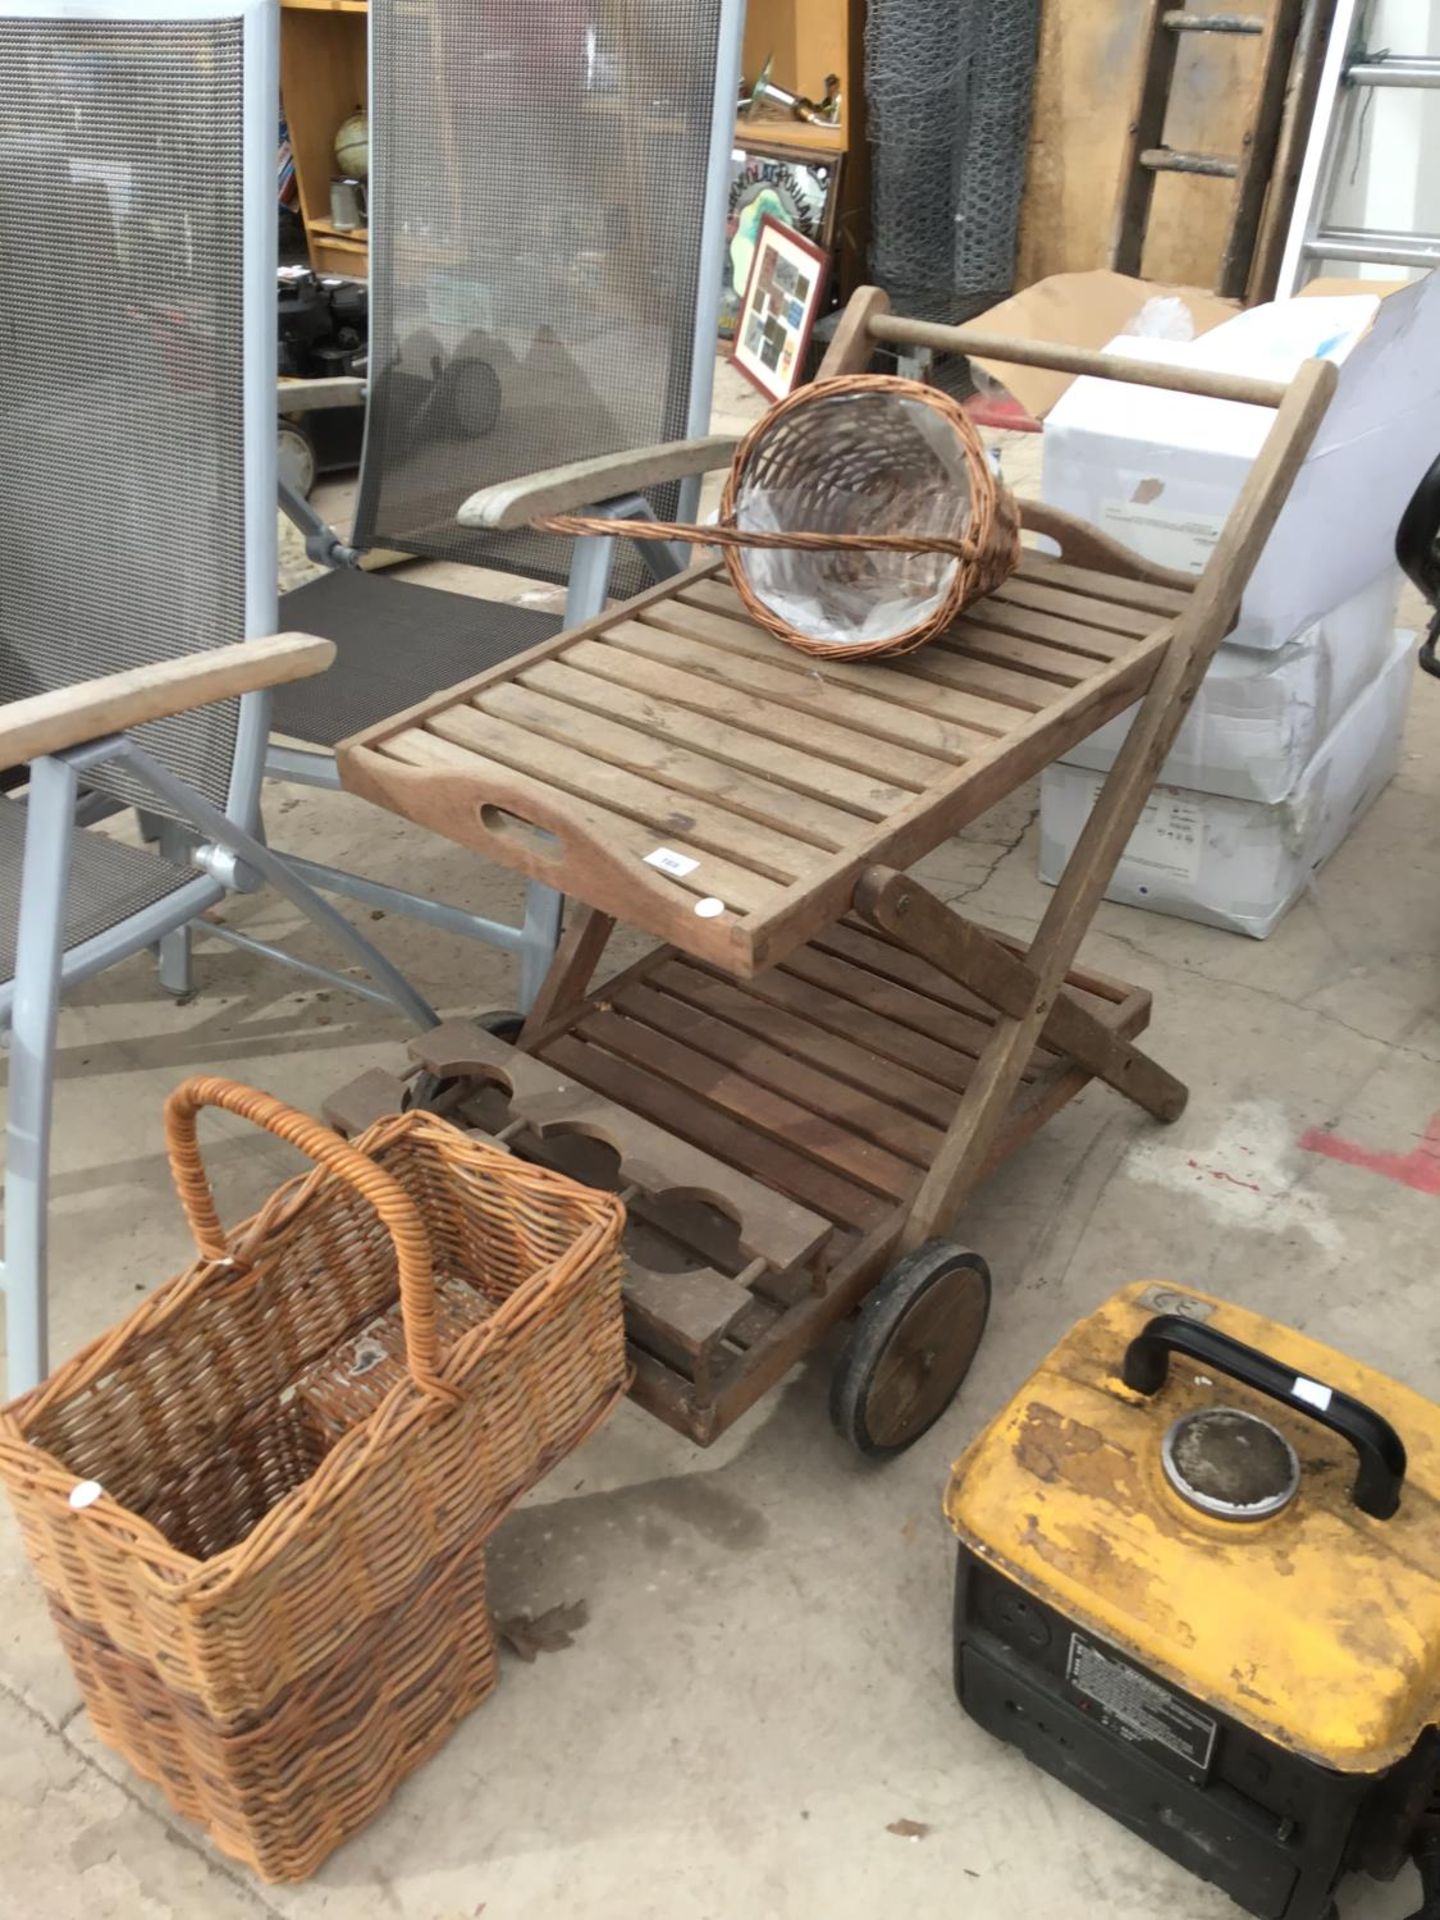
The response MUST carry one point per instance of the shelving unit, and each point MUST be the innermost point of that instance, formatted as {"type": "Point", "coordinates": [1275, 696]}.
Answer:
{"type": "Point", "coordinates": [323, 79]}
{"type": "Point", "coordinates": [807, 40]}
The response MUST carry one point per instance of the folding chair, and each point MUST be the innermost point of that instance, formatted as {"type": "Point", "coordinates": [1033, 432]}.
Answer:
{"type": "Point", "coordinates": [137, 525]}
{"type": "Point", "coordinates": [547, 208]}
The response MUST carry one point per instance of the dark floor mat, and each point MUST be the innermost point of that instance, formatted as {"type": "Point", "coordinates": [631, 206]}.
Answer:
{"type": "Point", "coordinates": [398, 643]}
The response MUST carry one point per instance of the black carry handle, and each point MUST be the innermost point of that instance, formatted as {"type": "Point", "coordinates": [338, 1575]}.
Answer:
{"type": "Point", "coordinates": [1380, 1448]}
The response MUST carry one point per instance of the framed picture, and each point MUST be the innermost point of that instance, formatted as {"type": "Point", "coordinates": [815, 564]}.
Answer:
{"type": "Point", "coordinates": [782, 300]}
{"type": "Point", "coordinates": [802, 190]}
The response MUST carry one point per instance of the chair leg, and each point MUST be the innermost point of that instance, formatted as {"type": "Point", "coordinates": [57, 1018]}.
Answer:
{"type": "Point", "coordinates": [40, 949]}
{"type": "Point", "coordinates": [539, 938]}
{"type": "Point", "coordinates": [176, 973]}
{"type": "Point", "coordinates": [227, 834]}
{"type": "Point", "coordinates": [173, 958]}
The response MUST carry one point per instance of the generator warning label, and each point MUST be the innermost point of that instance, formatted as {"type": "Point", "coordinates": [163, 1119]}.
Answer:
{"type": "Point", "coordinates": [1139, 1708]}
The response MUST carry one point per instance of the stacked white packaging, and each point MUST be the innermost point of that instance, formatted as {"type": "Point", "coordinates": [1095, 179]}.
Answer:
{"type": "Point", "coordinates": [1297, 727]}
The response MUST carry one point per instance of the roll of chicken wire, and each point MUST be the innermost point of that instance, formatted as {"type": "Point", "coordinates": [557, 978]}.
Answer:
{"type": "Point", "coordinates": [948, 88]}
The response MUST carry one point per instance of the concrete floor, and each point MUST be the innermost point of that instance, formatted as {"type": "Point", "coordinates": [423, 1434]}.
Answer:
{"type": "Point", "coordinates": [763, 1686]}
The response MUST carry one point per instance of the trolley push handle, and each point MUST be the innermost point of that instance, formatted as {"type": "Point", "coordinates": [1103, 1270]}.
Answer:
{"type": "Point", "coordinates": [397, 1211]}
{"type": "Point", "coordinates": [893, 329]}
{"type": "Point", "coordinates": [1380, 1449]}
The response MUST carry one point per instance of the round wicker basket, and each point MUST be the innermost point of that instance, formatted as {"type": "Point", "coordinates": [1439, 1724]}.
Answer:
{"type": "Point", "coordinates": [860, 517]}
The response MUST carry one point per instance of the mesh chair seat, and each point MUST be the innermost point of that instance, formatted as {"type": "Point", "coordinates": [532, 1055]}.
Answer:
{"type": "Point", "coordinates": [396, 644]}
{"type": "Point", "coordinates": [109, 881]}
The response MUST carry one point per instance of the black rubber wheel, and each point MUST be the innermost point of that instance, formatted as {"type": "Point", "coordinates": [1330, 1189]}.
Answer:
{"type": "Point", "coordinates": [429, 1092]}
{"type": "Point", "coordinates": [910, 1348]}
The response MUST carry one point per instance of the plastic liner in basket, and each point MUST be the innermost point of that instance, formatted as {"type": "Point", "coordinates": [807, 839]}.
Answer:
{"type": "Point", "coordinates": [861, 517]}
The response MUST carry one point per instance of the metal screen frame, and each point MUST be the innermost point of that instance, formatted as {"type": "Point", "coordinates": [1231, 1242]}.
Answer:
{"type": "Point", "coordinates": [230, 855]}
{"type": "Point", "coordinates": [260, 27]}
{"type": "Point", "coordinates": [709, 278]}
{"type": "Point", "coordinates": [709, 283]}
{"type": "Point", "coordinates": [262, 106]}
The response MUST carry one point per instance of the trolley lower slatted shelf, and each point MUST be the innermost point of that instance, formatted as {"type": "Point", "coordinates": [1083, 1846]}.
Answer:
{"type": "Point", "coordinates": [769, 1135]}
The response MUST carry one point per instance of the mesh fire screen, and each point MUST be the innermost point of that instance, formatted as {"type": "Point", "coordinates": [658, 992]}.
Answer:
{"type": "Point", "coordinates": [122, 522]}
{"type": "Point", "coordinates": [948, 84]}
{"type": "Point", "coordinates": [538, 179]}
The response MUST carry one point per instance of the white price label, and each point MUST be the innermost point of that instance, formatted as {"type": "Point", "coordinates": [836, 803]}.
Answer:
{"type": "Point", "coordinates": [677, 865]}
{"type": "Point", "coordinates": [1171, 537]}
{"type": "Point", "coordinates": [1313, 1393]}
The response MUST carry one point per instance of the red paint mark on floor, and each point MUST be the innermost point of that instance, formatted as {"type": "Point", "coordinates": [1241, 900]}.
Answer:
{"type": "Point", "coordinates": [1219, 1173]}
{"type": "Point", "coordinates": [1420, 1168]}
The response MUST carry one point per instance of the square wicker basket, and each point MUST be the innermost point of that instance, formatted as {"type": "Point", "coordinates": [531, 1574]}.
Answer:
{"type": "Point", "coordinates": [281, 1790]}
{"type": "Point", "coordinates": [342, 1395]}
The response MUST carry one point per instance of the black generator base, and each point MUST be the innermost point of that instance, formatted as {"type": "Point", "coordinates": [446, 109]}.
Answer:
{"type": "Point", "coordinates": [1273, 1830]}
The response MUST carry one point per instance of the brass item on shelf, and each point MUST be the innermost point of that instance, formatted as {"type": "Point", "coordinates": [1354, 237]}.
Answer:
{"type": "Point", "coordinates": [768, 92]}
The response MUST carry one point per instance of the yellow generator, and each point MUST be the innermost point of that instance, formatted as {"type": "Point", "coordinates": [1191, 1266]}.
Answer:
{"type": "Point", "coordinates": [1199, 1584]}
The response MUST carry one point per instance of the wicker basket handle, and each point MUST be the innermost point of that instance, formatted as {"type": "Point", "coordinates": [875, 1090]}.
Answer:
{"type": "Point", "coordinates": [396, 1209]}
{"type": "Point", "coordinates": [724, 533]}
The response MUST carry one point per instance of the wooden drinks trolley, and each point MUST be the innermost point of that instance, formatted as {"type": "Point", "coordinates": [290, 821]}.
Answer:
{"type": "Point", "coordinates": [796, 1092]}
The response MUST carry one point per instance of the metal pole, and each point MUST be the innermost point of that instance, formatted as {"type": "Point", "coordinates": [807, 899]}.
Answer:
{"type": "Point", "coordinates": [226, 833]}
{"type": "Point", "coordinates": [39, 953]}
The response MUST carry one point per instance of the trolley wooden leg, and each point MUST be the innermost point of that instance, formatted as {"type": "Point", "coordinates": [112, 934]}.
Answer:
{"type": "Point", "coordinates": [961, 1158]}
{"type": "Point", "coordinates": [967, 1151]}
{"type": "Point", "coordinates": [576, 958]}
{"type": "Point", "coordinates": [902, 907]}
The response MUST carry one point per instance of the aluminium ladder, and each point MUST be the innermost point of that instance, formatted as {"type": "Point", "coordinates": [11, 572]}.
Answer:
{"type": "Point", "coordinates": [1350, 73]}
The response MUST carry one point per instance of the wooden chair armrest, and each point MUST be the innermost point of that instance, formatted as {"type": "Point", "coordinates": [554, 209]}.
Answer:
{"type": "Point", "coordinates": [1086, 546]}
{"type": "Point", "coordinates": [584, 483]}
{"type": "Point", "coordinates": [69, 716]}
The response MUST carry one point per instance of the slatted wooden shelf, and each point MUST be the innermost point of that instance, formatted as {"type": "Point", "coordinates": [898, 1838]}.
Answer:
{"type": "Point", "coordinates": [800, 1109]}
{"type": "Point", "coordinates": [831, 1077]}
{"type": "Point", "coordinates": [675, 723]}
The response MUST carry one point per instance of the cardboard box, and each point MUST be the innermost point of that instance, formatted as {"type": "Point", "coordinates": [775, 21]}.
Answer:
{"type": "Point", "coordinates": [1080, 310]}
{"type": "Point", "coordinates": [1240, 863]}
{"type": "Point", "coordinates": [1160, 471]}
{"type": "Point", "coordinates": [1259, 718]}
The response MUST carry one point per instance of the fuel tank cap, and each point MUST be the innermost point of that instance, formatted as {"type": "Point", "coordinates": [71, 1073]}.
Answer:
{"type": "Point", "coordinates": [1230, 1463]}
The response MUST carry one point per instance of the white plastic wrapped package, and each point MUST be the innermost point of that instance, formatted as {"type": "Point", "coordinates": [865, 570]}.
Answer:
{"type": "Point", "coordinates": [1240, 864]}
{"type": "Point", "coordinates": [1259, 718]}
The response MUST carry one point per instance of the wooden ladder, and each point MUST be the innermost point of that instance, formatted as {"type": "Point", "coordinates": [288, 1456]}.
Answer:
{"type": "Point", "coordinates": [1146, 154]}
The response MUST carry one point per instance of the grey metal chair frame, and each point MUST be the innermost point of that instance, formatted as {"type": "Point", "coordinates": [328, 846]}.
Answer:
{"type": "Point", "coordinates": [534, 940]}
{"type": "Point", "coordinates": [74, 730]}
{"type": "Point", "coordinates": [230, 859]}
